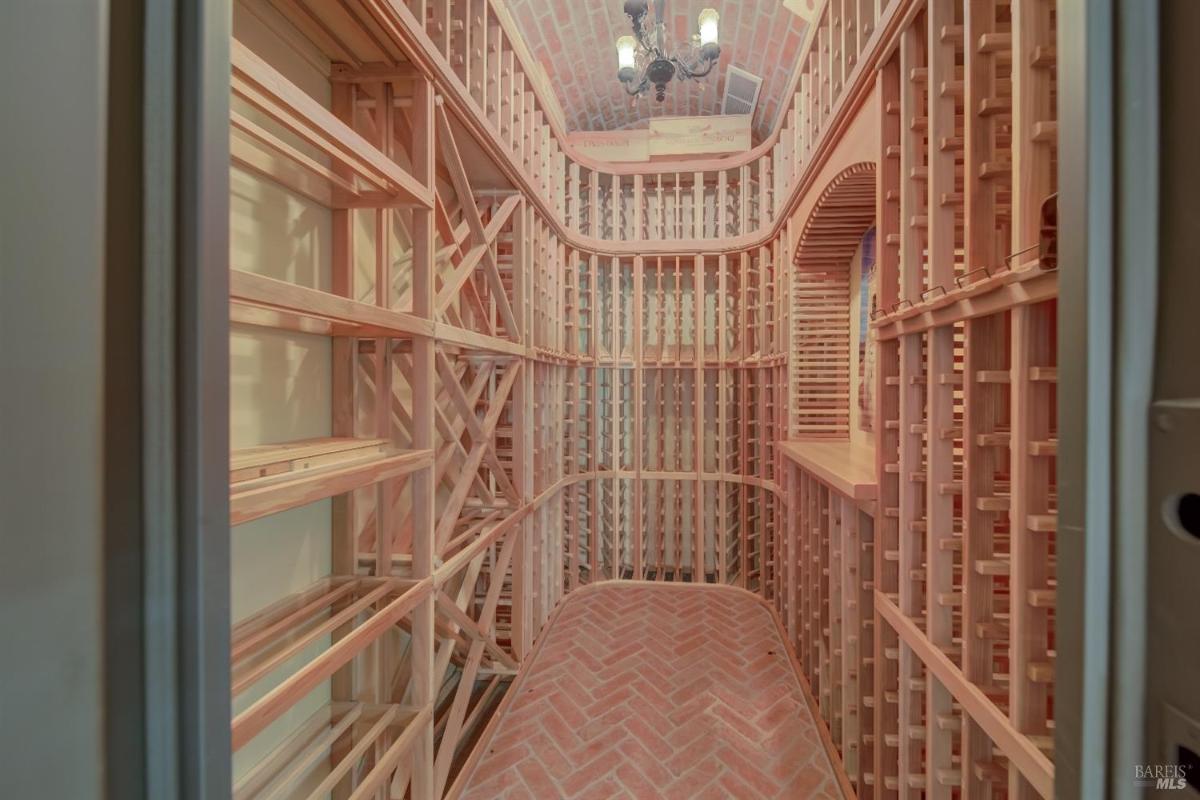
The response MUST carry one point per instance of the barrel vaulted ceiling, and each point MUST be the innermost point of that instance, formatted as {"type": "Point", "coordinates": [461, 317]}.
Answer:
{"type": "Point", "coordinates": [575, 42]}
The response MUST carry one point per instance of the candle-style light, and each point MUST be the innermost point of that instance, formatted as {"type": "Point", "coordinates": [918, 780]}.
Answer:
{"type": "Point", "coordinates": [708, 26]}
{"type": "Point", "coordinates": [625, 52]}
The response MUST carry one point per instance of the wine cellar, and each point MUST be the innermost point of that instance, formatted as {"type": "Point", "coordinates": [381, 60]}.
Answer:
{"type": "Point", "coordinates": [477, 373]}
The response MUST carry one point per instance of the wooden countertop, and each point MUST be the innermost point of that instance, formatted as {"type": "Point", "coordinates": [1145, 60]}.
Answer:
{"type": "Point", "coordinates": [846, 468]}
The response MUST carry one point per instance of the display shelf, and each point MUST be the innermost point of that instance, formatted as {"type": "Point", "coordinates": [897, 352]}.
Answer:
{"type": "Point", "coordinates": [848, 469]}
{"type": "Point", "coordinates": [266, 302]}
{"type": "Point", "coordinates": [269, 479]}
{"type": "Point", "coordinates": [364, 738]}
{"type": "Point", "coordinates": [360, 610]}
{"type": "Point", "coordinates": [344, 171]}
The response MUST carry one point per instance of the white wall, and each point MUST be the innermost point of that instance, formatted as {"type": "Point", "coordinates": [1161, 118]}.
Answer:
{"type": "Point", "coordinates": [280, 383]}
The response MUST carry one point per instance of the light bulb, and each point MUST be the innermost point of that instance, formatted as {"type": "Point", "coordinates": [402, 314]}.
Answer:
{"type": "Point", "coordinates": [708, 26]}
{"type": "Point", "coordinates": [625, 48]}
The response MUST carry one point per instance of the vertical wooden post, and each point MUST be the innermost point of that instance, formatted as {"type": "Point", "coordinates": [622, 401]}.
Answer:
{"type": "Point", "coordinates": [614, 409]}
{"type": "Point", "coordinates": [766, 208]}
{"type": "Point", "coordinates": [912, 378]}
{"type": "Point", "coordinates": [1034, 135]}
{"type": "Point", "coordinates": [638, 209]}
{"type": "Point", "coordinates": [614, 197]}
{"type": "Point", "coordinates": [939, 447]}
{"type": "Point", "coordinates": [723, 392]}
{"type": "Point", "coordinates": [523, 579]}
{"type": "Point", "coordinates": [791, 486]}
{"type": "Point", "coordinates": [423, 481]}
{"type": "Point", "coordinates": [979, 19]}
{"type": "Point", "coordinates": [742, 490]}
{"type": "Point", "coordinates": [887, 411]}
{"type": "Point", "coordinates": [835, 603]}
{"type": "Point", "coordinates": [698, 548]}
{"type": "Point", "coordinates": [743, 206]}
{"type": "Point", "coordinates": [573, 209]}
{"type": "Point", "coordinates": [343, 370]}
{"type": "Point", "coordinates": [495, 66]}
{"type": "Point", "coordinates": [594, 204]}
{"type": "Point", "coordinates": [509, 95]}
{"type": "Point", "coordinates": [638, 414]}
{"type": "Point", "coordinates": [851, 638]}
{"type": "Point", "coordinates": [722, 220]}
{"type": "Point", "coordinates": [441, 26]}
{"type": "Point", "coordinates": [594, 407]}
{"type": "Point", "coordinates": [382, 380]}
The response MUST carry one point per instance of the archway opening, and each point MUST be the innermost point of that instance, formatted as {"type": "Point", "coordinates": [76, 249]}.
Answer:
{"type": "Point", "coordinates": [828, 333]}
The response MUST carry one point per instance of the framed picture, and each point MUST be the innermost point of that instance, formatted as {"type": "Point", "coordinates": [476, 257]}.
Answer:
{"type": "Point", "coordinates": [868, 297]}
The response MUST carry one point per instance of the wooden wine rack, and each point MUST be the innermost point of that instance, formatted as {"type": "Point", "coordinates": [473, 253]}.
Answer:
{"type": "Point", "coordinates": [549, 371]}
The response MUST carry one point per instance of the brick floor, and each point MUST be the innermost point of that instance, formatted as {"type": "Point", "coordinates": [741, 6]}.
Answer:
{"type": "Point", "coordinates": [649, 691]}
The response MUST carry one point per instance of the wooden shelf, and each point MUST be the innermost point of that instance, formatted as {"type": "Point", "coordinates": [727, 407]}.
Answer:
{"type": "Point", "coordinates": [267, 302]}
{"type": "Point", "coordinates": [350, 729]}
{"type": "Point", "coordinates": [269, 479]}
{"type": "Point", "coordinates": [1026, 285]}
{"type": "Point", "coordinates": [849, 469]}
{"type": "Point", "coordinates": [362, 176]}
{"type": "Point", "coordinates": [359, 609]}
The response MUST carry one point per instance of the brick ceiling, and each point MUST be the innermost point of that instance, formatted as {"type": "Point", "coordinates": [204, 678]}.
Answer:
{"type": "Point", "coordinates": [575, 41]}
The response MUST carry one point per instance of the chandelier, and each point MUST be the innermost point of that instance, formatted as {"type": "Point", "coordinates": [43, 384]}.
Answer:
{"type": "Point", "coordinates": [646, 56]}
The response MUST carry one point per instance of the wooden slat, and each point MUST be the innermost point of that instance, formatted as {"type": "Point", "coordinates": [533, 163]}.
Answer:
{"type": "Point", "coordinates": [301, 484]}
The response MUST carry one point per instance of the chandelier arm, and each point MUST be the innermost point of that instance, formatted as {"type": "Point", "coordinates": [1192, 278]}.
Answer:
{"type": "Point", "coordinates": [639, 33]}
{"type": "Point", "coordinates": [660, 26]}
{"type": "Point", "coordinates": [634, 91]}
{"type": "Point", "coordinates": [692, 70]}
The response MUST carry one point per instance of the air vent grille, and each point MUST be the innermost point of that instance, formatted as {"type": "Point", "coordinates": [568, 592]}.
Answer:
{"type": "Point", "coordinates": [741, 91]}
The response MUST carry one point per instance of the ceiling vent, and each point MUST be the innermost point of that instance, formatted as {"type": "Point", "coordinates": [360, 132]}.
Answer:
{"type": "Point", "coordinates": [741, 91]}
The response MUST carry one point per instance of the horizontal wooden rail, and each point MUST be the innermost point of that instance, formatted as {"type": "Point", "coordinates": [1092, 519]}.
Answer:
{"type": "Point", "coordinates": [317, 479]}
{"type": "Point", "coordinates": [266, 709]}
{"type": "Point", "coordinates": [268, 302]}
{"type": "Point", "coordinates": [261, 86]}
{"type": "Point", "coordinates": [301, 755]}
{"type": "Point", "coordinates": [991, 295]}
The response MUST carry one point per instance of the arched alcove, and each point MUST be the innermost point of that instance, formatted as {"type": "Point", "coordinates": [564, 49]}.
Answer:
{"type": "Point", "coordinates": [821, 319]}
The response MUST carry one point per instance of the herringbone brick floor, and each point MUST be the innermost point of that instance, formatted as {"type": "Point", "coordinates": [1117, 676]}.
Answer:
{"type": "Point", "coordinates": [648, 691]}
